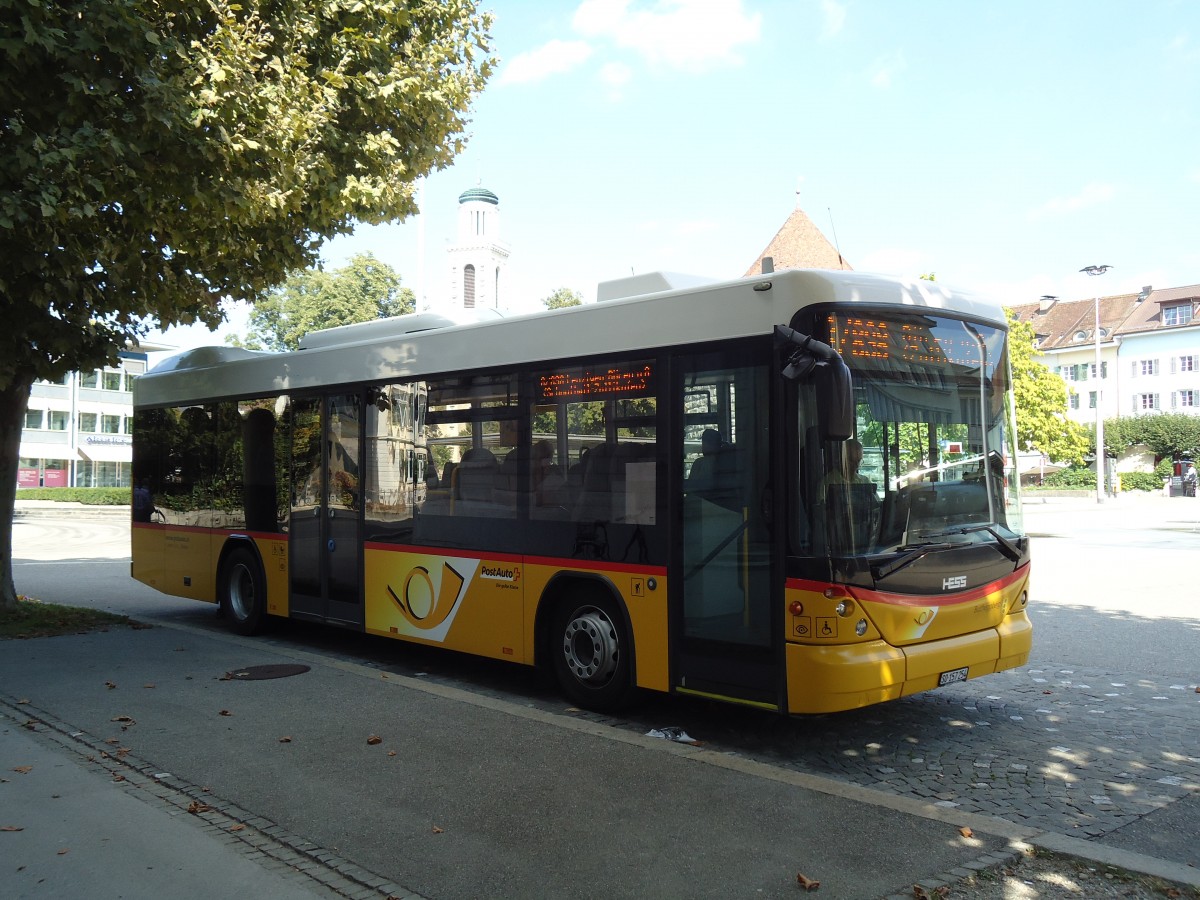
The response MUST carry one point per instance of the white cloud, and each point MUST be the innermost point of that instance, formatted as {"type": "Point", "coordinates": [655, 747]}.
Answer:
{"type": "Point", "coordinates": [886, 68]}
{"type": "Point", "coordinates": [615, 76]}
{"type": "Point", "coordinates": [552, 58]}
{"type": "Point", "coordinates": [1092, 194]}
{"type": "Point", "coordinates": [691, 35]}
{"type": "Point", "coordinates": [834, 15]}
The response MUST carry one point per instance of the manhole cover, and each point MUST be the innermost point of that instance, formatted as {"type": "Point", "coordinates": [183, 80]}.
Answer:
{"type": "Point", "coordinates": [262, 673]}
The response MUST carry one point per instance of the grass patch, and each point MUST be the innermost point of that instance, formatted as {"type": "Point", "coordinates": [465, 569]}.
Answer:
{"type": "Point", "coordinates": [33, 619]}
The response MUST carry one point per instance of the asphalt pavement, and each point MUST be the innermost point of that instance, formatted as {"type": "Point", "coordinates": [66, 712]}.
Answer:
{"type": "Point", "coordinates": [177, 762]}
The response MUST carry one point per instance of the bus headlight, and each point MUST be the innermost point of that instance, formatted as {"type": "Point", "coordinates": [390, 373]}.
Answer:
{"type": "Point", "coordinates": [860, 628]}
{"type": "Point", "coordinates": [845, 608]}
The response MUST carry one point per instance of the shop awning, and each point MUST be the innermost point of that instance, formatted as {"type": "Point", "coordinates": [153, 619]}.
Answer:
{"type": "Point", "coordinates": [32, 450]}
{"type": "Point", "coordinates": [99, 450]}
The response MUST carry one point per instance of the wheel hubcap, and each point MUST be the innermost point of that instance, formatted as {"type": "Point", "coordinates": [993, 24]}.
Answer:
{"type": "Point", "coordinates": [241, 591]}
{"type": "Point", "coordinates": [590, 646]}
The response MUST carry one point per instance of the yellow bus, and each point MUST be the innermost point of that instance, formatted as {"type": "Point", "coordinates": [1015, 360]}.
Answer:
{"type": "Point", "coordinates": [795, 491]}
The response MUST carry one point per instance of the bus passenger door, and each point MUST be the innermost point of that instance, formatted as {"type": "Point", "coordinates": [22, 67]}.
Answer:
{"type": "Point", "coordinates": [325, 542]}
{"type": "Point", "coordinates": [722, 570]}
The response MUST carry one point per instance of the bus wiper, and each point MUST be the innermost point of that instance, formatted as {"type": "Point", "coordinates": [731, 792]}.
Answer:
{"type": "Point", "coordinates": [915, 552]}
{"type": "Point", "coordinates": [1007, 547]}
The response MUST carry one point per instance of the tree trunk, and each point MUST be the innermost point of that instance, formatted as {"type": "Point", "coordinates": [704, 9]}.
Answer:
{"type": "Point", "coordinates": [14, 400]}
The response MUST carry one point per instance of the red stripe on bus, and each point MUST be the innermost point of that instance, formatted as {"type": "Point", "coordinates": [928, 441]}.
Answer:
{"type": "Point", "coordinates": [860, 593]}
{"type": "Point", "coordinates": [590, 565]}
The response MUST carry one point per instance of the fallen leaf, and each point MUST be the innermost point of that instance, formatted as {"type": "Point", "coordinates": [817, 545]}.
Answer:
{"type": "Point", "coordinates": [12, 827]}
{"type": "Point", "coordinates": [113, 741]}
{"type": "Point", "coordinates": [374, 739]}
{"type": "Point", "coordinates": [919, 892]}
{"type": "Point", "coordinates": [806, 883]}
{"type": "Point", "coordinates": [196, 807]}
{"type": "Point", "coordinates": [26, 700]}
{"type": "Point", "coordinates": [237, 827]}
{"type": "Point", "coordinates": [286, 739]}
{"type": "Point", "coordinates": [125, 721]}
{"type": "Point", "coordinates": [147, 685]}
{"type": "Point", "coordinates": [437, 830]}
{"type": "Point", "coordinates": [118, 778]}
{"type": "Point", "coordinates": [63, 852]}
{"type": "Point", "coordinates": [24, 770]}
{"type": "Point", "coordinates": [391, 753]}
{"type": "Point", "coordinates": [110, 685]}
{"type": "Point", "coordinates": [966, 832]}
{"type": "Point", "coordinates": [226, 712]}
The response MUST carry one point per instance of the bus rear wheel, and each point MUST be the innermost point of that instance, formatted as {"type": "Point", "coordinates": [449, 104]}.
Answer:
{"type": "Point", "coordinates": [592, 654]}
{"type": "Point", "coordinates": [244, 593]}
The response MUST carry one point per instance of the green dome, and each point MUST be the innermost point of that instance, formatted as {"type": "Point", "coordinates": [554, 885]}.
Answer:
{"type": "Point", "coordinates": [481, 194]}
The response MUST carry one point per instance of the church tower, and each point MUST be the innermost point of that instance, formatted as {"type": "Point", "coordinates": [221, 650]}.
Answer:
{"type": "Point", "coordinates": [478, 256]}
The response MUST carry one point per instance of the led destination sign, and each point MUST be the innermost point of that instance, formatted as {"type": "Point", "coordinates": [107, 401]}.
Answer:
{"type": "Point", "coordinates": [922, 341]}
{"type": "Point", "coordinates": [588, 384]}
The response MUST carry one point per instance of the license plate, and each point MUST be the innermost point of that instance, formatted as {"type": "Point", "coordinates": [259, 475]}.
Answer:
{"type": "Point", "coordinates": [953, 676]}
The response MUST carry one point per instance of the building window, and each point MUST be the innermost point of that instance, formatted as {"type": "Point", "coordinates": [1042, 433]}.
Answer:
{"type": "Point", "coordinates": [469, 286]}
{"type": "Point", "coordinates": [87, 423]}
{"type": "Point", "coordinates": [1145, 401]}
{"type": "Point", "coordinates": [33, 418]}
{"type": "Point", "coordinates": [59, 419]}
{"type": "Point", "coordinates": [1186, 364]}
{"type": "Point", "coordinates": [1091, 399]}
{"type": "Point", "coordinates": [1074, 401]}
{"type": "Point", "coordinates": [129, 425]}
{"type": "Point", "coordinates": [88, 379]}
{"type": "Point", "coordinates": [1179, 314]}
{"type": "Point", "coordinates": [110, 424]}
{"type": "Point", "coordinates": [1187, 399]}
{"type": "Point", "coordinates": [1145, 367]}
{"type": "Point", "coordinates": [112, 381]}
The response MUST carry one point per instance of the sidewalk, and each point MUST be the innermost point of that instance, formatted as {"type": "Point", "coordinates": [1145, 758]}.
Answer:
{"type": "Point", "coordinates": [461, 795]}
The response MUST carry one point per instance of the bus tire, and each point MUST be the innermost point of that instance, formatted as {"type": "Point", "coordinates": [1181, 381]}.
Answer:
{"type": "Point", "coordinates": [592, 653]}
{"type": "Point", "coordinates": [243, 594]}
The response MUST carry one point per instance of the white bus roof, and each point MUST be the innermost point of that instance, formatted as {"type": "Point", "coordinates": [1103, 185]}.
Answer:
{"type": "Point", "coordinates": [423, 344]}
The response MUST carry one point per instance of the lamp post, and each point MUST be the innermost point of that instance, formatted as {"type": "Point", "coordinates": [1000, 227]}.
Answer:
{"type": "Point", "coordinates": [1101, 459]}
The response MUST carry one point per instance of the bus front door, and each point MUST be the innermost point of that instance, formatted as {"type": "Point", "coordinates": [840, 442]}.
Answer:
{"type": "Point", "coordinates": [723, 624]}
{"type": "Point", "coordinates": [325, 542]}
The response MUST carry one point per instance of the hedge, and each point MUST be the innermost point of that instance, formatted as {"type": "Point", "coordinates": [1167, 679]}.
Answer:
{"type": "Point", "coordinates": [99, 496]}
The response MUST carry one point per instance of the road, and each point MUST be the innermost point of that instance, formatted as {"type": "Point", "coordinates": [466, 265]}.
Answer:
{"type": "Point", "coordinates": [1099, 736]}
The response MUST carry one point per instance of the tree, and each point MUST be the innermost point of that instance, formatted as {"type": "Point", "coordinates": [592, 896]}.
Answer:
{"type": "Point", "coordinates": [1041, 398]}
{"type": "Point", "coordinates": [363, 289]}
{"type": "Point", "coordinates": [159, 155]}
{"type": "Point", "coordinates": [1167, 435]}
{"type": "Point", "coordinates": [561, 298]}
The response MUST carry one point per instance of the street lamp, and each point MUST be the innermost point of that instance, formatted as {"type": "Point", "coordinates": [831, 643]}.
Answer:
{"type": "Point", "coordinates": [1101, 460]}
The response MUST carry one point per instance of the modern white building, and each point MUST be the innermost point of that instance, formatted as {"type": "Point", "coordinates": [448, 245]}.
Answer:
{"type": "Point", "coordinates": [79, 431]}
{"type": "Point", "coordinates": [478, 256]}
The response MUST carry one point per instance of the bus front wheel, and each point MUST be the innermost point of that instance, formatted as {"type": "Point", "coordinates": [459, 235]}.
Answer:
{"type": "Point", "coordinates": [244, 593]}
{"type": "Point", "coordinates": [592, 654]}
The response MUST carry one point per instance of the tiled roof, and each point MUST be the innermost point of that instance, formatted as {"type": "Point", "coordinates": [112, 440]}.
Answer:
{"type": "Point", "coordinates": [800, 245]}
{"type": "Point", "coordinates": [1067, 323]}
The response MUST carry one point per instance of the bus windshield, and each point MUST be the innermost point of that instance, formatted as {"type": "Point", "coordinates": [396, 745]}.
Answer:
{"type": "Point", "coordinates": [931, 461]}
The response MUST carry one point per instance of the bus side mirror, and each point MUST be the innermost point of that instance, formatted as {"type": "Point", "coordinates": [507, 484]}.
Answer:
{"type": "Point", "coordinates": [835, 402]}
{"type": "Point", "coordinates": [810, 360]}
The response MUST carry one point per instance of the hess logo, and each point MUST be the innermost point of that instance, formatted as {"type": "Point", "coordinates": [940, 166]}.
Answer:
{"type": "Point", "coordinates": [423, 605]}
{"type": "Point", "coordinates": [954, 583]}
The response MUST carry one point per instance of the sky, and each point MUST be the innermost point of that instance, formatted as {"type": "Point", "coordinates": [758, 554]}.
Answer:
{"type": "Point", "coordinates": [1000, 146]}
